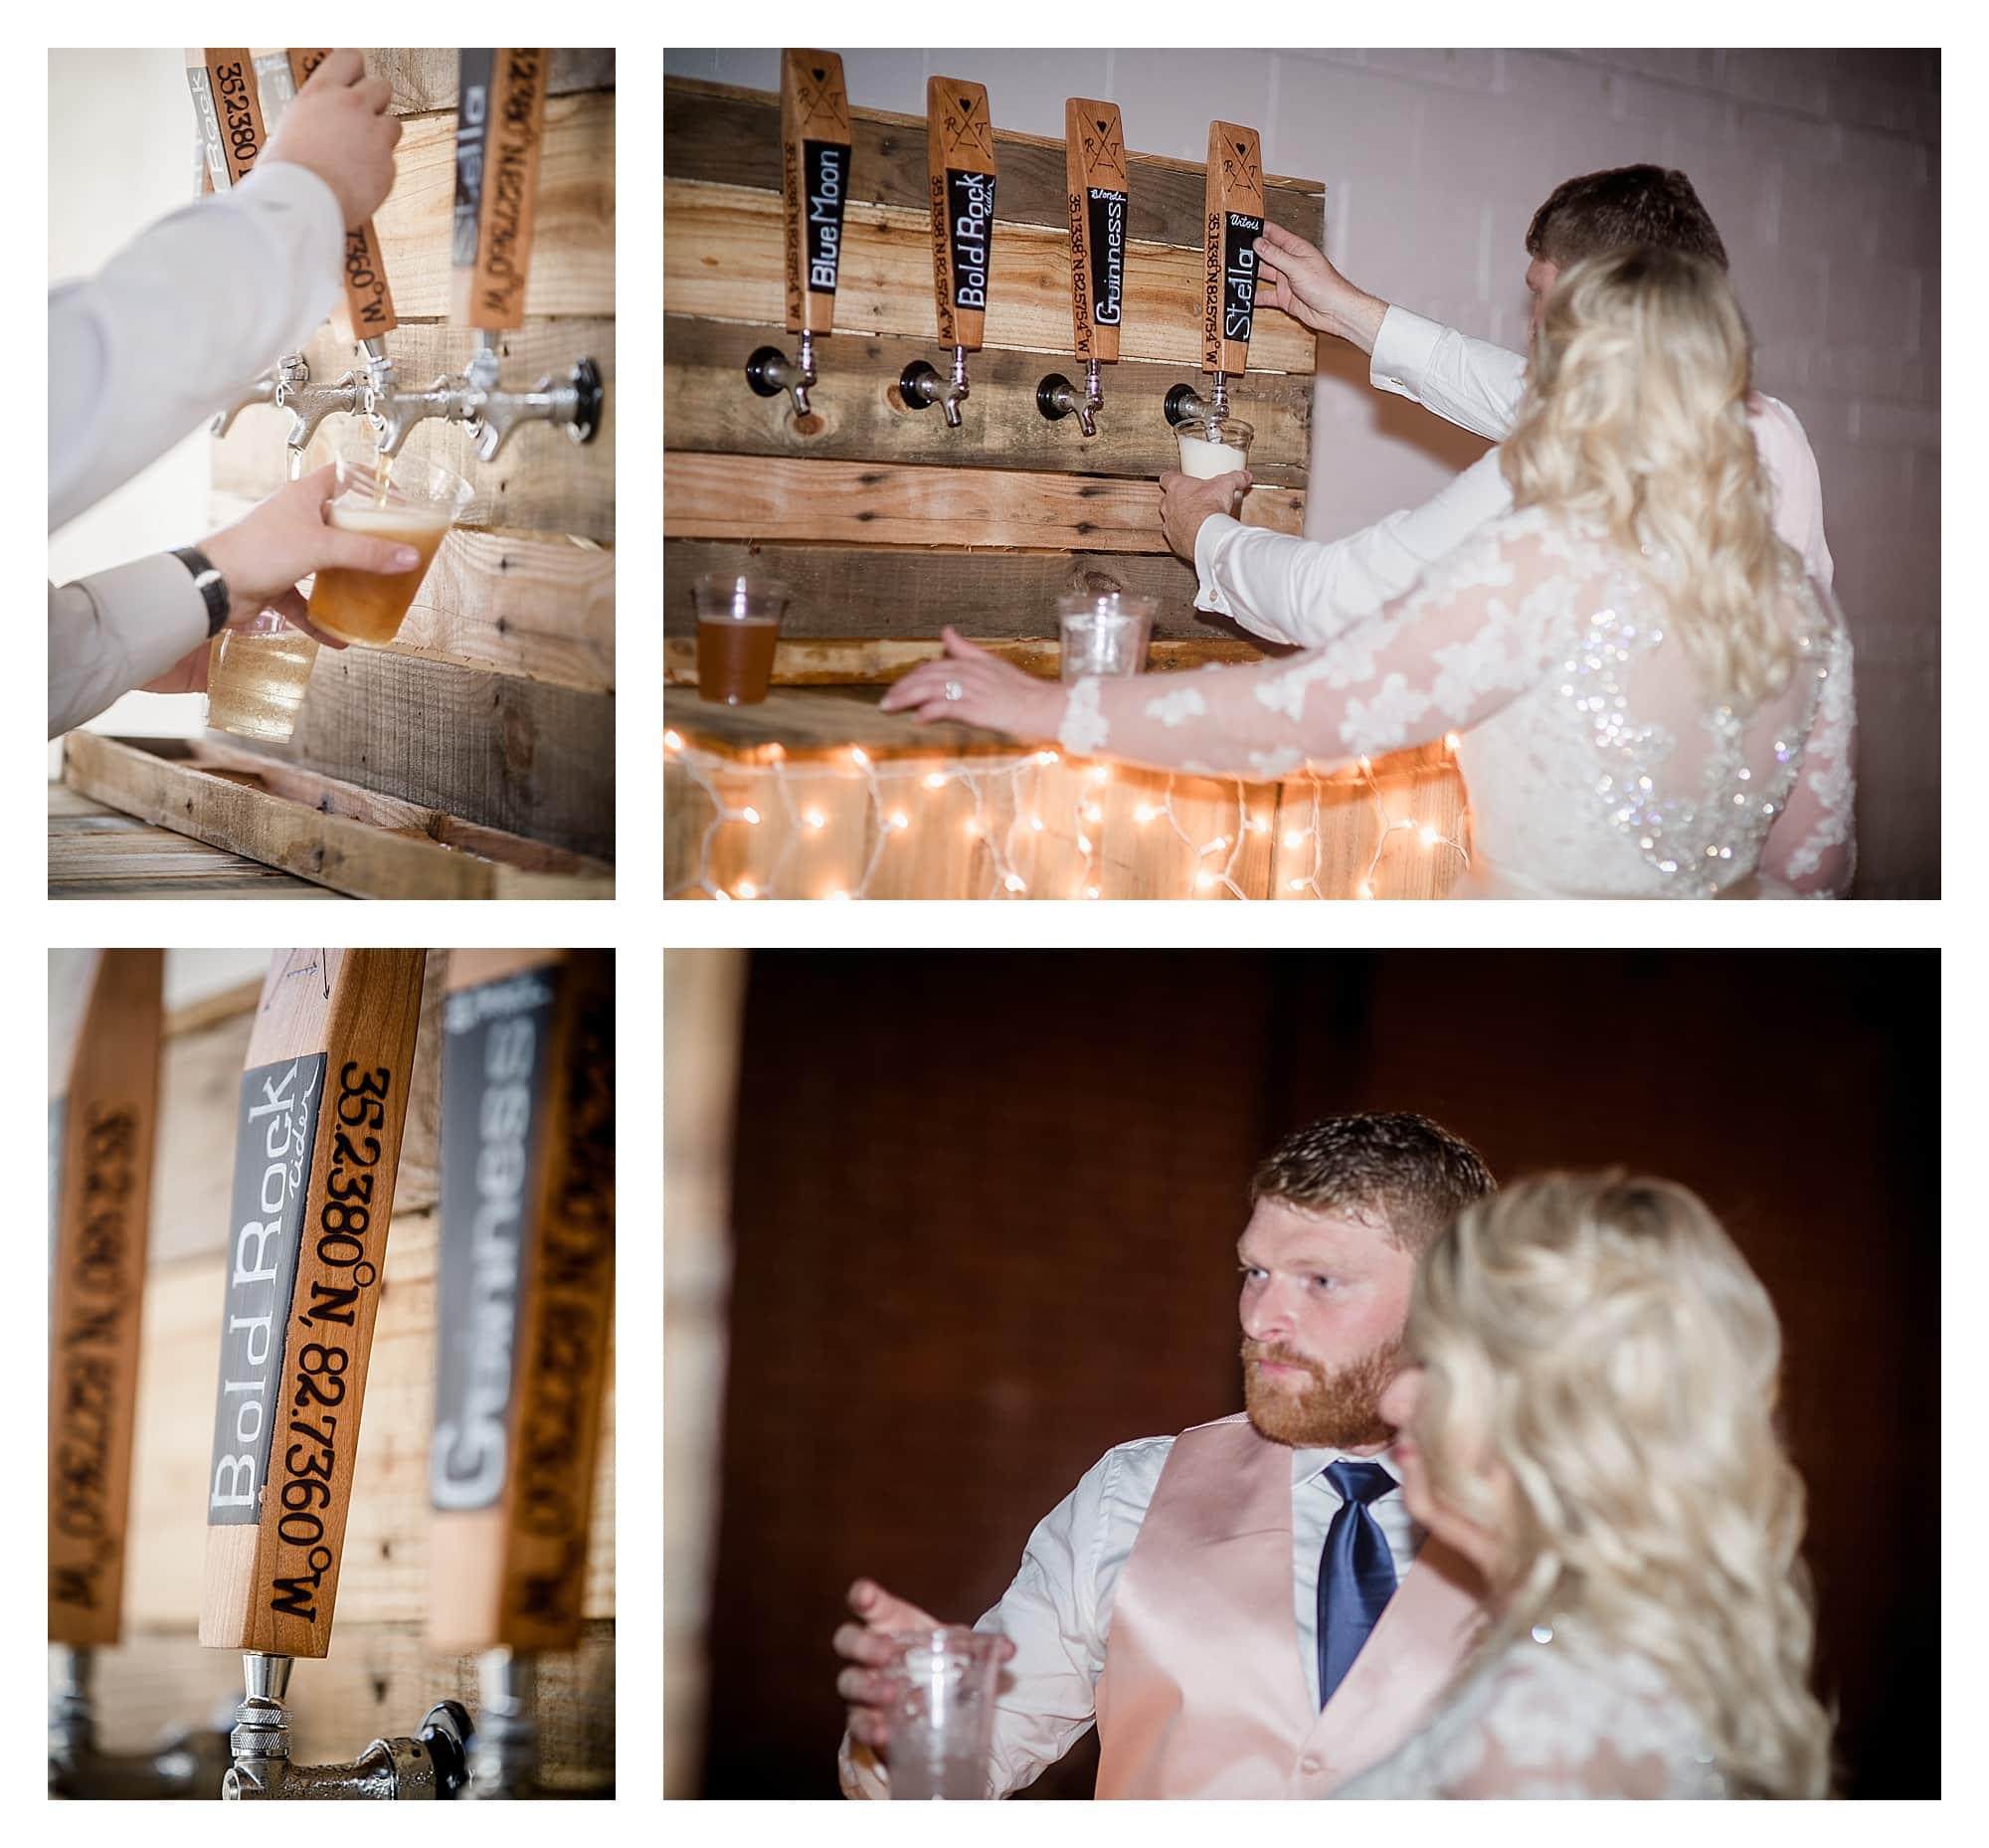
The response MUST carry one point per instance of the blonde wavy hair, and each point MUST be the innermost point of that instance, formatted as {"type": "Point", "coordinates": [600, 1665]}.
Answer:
{"type": "Point", "coordinates": [1637, 412]}
{"type": "Point", "coordinates": [1600, 1341]}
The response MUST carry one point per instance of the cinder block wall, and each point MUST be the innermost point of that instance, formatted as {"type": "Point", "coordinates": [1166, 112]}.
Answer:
{"type": "Point", "coordinates": [1821, 168]}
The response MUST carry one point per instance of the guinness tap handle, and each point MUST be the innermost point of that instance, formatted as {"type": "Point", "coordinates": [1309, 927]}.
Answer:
{"type": "Point", "coordinates": [103, 1105]}
{"type": "Point", "coordinates": [324, 1093]}
{"type": "Point", "coordinates": [1095, 181]}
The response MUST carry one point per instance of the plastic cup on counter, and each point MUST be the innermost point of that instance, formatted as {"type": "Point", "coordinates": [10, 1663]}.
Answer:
{"type": "Point", "coordinates": [738, 626]}
{"type": "Point", "coordinates": [1103, 632]}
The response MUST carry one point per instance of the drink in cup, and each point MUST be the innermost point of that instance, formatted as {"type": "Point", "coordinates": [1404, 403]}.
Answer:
{"type": "Point", "coordinates": [406, 501]}
{"type": "Point", "coordinates": [1102, 632]}
{"type": "Point", "coordinates": [943, 1713]}
{"type": "Point", "coordinates": [738, 624]}
{"type": "Point", "coordinates": [256, 675]}
{"type": "Point", "coordinates": [1210, 449]}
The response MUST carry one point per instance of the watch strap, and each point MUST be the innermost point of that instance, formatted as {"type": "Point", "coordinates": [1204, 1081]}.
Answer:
{"type": "Point", "coordinates": [213, 590]}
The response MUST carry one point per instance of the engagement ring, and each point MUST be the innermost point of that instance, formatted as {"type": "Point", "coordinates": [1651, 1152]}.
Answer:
{"type": "Point", "coordinates": [954, 690]}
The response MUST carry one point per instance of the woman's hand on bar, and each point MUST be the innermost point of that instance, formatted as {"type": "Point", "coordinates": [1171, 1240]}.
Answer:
{"type": "Point", "coordinates": [971, 686]}
{"type": "Point", "coordinates": [1186, 501]}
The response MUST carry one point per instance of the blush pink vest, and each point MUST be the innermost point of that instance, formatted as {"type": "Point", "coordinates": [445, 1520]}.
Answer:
{"type": "Point", "coordinates": [1203, 1693]}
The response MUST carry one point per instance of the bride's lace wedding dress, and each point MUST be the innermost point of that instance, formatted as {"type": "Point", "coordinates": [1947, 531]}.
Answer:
{"type": "Point", "coordinates": [1553, 1719]}
{"type": "Point", "coordinates": [1595, 762]}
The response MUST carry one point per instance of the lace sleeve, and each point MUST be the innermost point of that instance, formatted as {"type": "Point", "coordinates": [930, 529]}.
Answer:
{"type": "Point", "coordinates": [1813, 847]}
{"type": "Point", "coordinates": [1466, 640]}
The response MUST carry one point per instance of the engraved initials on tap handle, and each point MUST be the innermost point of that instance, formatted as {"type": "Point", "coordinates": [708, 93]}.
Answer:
{"type": "Point", "coordinates": [1095, 183]}
{"type": "Point", "coordinates": [369, 303]}
{"type": "Point", "coordinates": [815, 140]}
{"type": "Point", "coordinates": [959, 160]}
{"type": "Point", "coordinates": [324, 1094]}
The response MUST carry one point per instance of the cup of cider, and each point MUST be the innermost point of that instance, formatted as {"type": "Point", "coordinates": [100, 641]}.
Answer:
{"type": "Point", "coordinates": [738, 624]}
{"type": "Point", "coordinates": [410, 503]}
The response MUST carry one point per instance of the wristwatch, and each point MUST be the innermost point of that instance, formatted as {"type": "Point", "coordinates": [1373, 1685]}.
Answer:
{"type": "Point", "coordinates": [213, 591]}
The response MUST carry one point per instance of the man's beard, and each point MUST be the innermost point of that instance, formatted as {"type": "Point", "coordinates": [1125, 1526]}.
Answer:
{"type": "Point", "coordinates": [1333, 1411]}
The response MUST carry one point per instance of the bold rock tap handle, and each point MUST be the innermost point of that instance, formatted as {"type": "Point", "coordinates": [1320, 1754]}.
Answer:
{"type": "Point", "coordinates": [324, 1093]}
{"type": "Point", "coordinates": [369, 303]}
{"type": "Point", "coordinates": [227, 103]}
{"type": "Point", "coordinates": [524, 1294]}
{"type": "Point", "coordinates": [103, 1105]}
{"type": "Point", "coordinates": [960, 157]}
{"type": "Point", "coordinates": [500, 136]}
{"type": "Point", "coordinates": [1233, 218]}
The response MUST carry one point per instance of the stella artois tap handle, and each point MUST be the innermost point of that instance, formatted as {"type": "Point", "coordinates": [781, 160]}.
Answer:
{"type": "Point", "coordinates": [815, 184]}
{"type": "Point", "coordinates": [324, 1093]}
{"type": "Point", "coordinates": [525, 1303]}
{"type": "Point", "coordinates": [1095, 183]}
{"type": "Point", "coordinates": [104, 1107]}
{"type": "Point", "coordinates": [960, 163]}
{"type": "Point", "coordinates": [1232, 219]}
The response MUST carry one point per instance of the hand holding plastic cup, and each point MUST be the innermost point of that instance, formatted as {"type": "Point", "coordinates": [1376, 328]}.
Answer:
{"type": "Point", "coordinates": [1103, 632]}
{"type": "Point", "coordinates": [1210, 449]}
{"type": "Point", "coordinates": [738, 624]}
{"type": "Point", "coordinates": [415, 504]}
{"type": "Point", "coordinates": [943, 1718]}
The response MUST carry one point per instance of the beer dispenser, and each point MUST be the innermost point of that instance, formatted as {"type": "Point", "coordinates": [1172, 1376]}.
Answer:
{"type": "Point", "coordinates": [499, 137]}
{"type": "Point", "coordinates": [325, 1092]}
{"type": "Point", "coordinates": [524, 1314]}
{"type": "Point", "coordinates": [104, 1103]}
{"type": "Point", "coordinates": [960, 160]}
{"type": "Point", "coordinates": [815, 183]}
{"type": "Point", "coordinates": [1095, 179]}
{"type": "Point", "coordinates": [1232, 219]}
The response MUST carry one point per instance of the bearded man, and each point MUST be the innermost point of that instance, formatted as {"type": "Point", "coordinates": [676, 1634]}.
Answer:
{"type": "Point", "coordinates": [1245, 1610]}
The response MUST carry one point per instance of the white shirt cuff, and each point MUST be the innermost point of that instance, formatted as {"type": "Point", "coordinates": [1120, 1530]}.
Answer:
{"type": "Point", "coordinates": [1402, 353]}
{"type": "Point", "coordinates": [1208, 539]}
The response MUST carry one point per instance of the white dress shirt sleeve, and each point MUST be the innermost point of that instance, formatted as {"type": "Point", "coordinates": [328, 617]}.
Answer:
{"type": "Point", "coordinates": [117, 629]}
{"type": "Point", "coordinates": [1784, 450]}
{"type": "Point", "coordinates": [1309, 591]}
{"type": "Point", "coordinates": [1470, 383]}
{"type": "Point", "coordinates": [191, 309]}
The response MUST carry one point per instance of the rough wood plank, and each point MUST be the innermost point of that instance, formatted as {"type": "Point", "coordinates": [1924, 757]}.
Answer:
{"type": "Point", "coordinates": [573, 252]}
{"type": "Point", "coordinates": [904, 595]}
{"type": "Point", "coordinates": [782, 498]}
{"type": "Point", "coordinates": [378, 1680]}
{"type": "Point", "coordinates": [494, 750]}
{"type": "Point", "coordinates": [426, 80]}
{"type": "Point", "coordinates": [873, 661]}
{"type": "Point", "coordinates": [351, 838]}
{"type": "Point", "coordinates": [822, 719]}
{"type": "Point", "coordinates": [732, 137]}
{"type": "Point", "coordinates": [114, 856]}
{"type": "Point", "coordinates": [540, 483]}
{"type": "Point", "coordinates": [723, 248]}
{"type": "Point", "coordinates": [856, 415]}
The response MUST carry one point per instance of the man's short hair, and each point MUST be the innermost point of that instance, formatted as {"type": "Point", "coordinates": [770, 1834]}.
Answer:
{"type": "Point", "coordinates": [1620, 207]}
{"type": "Point", "coordinates": [1409, 1174]}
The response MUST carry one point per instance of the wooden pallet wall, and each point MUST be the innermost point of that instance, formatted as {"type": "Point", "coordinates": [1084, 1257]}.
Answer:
{"type": "Point", "coordinates": [380, 1676]}
{"type": "Point", "coordinates": [497, 701]}
{"type": "Point", "coordinates": [885, 522]}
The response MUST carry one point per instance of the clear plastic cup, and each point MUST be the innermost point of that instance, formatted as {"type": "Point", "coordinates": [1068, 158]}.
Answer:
{"type": "Point", "coordinates": [1210, 449]}
{"type": "Point", "coordinates": [412, 502]}
{"type": "Point", "coordinates": [943, 1716]}
{"type": "Point", "coordinates": [1103, 632]}
{"type": "Point", "coordinates": [256, 675]}
{"type": "Point", "coordinates": [738, 624]}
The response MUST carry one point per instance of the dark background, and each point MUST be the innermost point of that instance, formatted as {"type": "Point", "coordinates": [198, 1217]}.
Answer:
{"type": "Point", "coordinates": [984, 1212]}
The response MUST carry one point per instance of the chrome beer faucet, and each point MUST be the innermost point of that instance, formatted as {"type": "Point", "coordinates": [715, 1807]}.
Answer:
{"type": "Point", "coordinates": [184, 1763]}
{"type": "Point", "coordinates": [1183, 402]}
{"type": "Point", "coordinates": [492, 413]}
{"type": "Point", "coordinates": [289, 373]}
{"type": "Point", "coordinates": [771, 372]}
{"type": "Point", "coordinates": [919, 385]}
{"type": "Point", "coordinates": [1057, 397]}
{"type": "Point", "coordinates": [430, 1768]}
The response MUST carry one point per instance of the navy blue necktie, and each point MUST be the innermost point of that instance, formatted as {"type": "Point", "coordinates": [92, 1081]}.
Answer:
{"type": "Point", "coordinates": [1356, 1572]}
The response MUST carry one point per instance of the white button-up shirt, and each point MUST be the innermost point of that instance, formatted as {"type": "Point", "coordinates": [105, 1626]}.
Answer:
{"type": "Point", "coordinates": [141, 353]}
{"type": "Point", "coordinates": [1306, 591]}
{"type": "Point", "coordinates": [1058, 1611]}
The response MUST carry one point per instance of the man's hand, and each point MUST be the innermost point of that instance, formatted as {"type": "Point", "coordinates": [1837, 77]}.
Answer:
{"type": "Point", "coordinates": [263, 554]}
{"type": "Point", "coordinates": [864, 1646]}
{"type": "Point", "coordinates": [1295, 276]}
{"type": "Point", "coordinates": [338, 126]}
{"type": "Point", "coordinates": [1186, 501]}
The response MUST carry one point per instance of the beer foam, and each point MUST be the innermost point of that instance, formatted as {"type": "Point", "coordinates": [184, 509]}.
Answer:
{"type": "Point", "coordinates": [395, 523]}
{"type": "Point", "coordinates": [1205, 459]}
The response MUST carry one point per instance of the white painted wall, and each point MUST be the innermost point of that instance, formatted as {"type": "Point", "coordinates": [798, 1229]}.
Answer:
{"type": "Point", "coordinates": [1821, 168]}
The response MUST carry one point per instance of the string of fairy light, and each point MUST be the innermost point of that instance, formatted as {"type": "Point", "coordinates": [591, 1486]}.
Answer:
{"type": "Point", "coordinates": [896, 792]}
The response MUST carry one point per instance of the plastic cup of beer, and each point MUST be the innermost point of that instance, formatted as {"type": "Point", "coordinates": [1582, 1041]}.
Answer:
{"type": "Point", "coordinates": [1103, 632]}
{"type": "Point", "coordinates": [738, 623]}
{"type": "Point", "coordinates": [943, 1713]}
{"type": "Point", "coordinates": [1210, 448]}
{"type": "Point", "coordinates": [256, 675]}
{"type": "Point", "coordinates": [410, 503]}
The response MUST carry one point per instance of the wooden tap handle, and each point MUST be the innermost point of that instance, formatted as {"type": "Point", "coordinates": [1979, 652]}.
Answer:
{"type": "Point", "coordinates": [525, 1293]}
{"type": "Point", "coordinates": [1095, 173]}
{"type": "Point", "coordinates": [816, 141]}
{"type": "Point", "coordinates": [369, 303]}
{"type": "Point", "coordinates": [103, 1105]}
{"type": "Point", "coordinates": [1233, 218]}
{"type": "Point", "coordinates": [960, 158]}
{"type": "Point", "coordinates": [500, 135]}
{"type": "Point", "coordinates": [325, 1092]}
{"type": "Point", "coordinates": [230, 110]}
